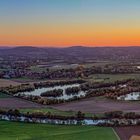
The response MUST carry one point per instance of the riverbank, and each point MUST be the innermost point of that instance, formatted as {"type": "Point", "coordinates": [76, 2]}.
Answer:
{"type": "Point", "coordinates": [109, 119]}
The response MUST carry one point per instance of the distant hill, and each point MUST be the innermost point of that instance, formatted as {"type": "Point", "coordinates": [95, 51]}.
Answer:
{"type": "Point", "coordinates": [4, 47]}
{"type": "Point", "coordinates": [75, 52]}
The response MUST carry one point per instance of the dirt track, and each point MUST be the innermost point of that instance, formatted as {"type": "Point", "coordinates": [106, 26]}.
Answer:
{"type": "Point", "coordinates": [125, 133]}
{"type": "Point", "coordinates": [99, 105]}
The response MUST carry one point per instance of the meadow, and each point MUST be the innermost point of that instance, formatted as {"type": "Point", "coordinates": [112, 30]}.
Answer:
{"type": "Point", "coordinates": [109, 78]}
{"type": "Point", "coordinates": [26, 131]}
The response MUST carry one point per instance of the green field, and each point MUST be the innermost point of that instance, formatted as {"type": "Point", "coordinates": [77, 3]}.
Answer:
{"type": "Point", "coordinates": [54, 112]}
{"type": "Point", "coordinates": [25, 131]}
{"type": "Point", "coordinates": [51, 110]}
{"type": "Point", "coordinates": [112, 77]}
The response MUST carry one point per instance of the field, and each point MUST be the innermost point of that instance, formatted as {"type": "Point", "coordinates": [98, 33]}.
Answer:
{"type": "Point", "coordinates": [17, 103]}
{"type": "Point", "coordinates": [93, 105]}
{"type": "Point", "coordinates": [24, 131]}
{"type": "Point", "coordinates": [5, 83]}
{"type": "Point", "coordinates": [7, 101]}
{"type": "Point", "coordinates": [90, 106]}
{"type": "Point", "coordinates": [53, 111]}
{"type": "Point", "coordinates": [112, 77]}
{"type": "Point", "coordinates": [125, 133]}
{"type": "Point", "coordinates": [99, 105]}
{"type": "Point", "coordinates": [93, 78]}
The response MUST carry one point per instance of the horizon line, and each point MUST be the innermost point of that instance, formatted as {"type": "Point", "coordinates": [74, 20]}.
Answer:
{"type": "Point", "coordinates": [16, 46]}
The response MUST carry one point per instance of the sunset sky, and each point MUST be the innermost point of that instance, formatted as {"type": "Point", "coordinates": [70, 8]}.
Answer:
{"type": "Point", "coordinates": [70, 22]}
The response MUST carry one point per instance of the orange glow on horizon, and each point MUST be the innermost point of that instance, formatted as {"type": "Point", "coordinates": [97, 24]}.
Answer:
{"type": "Point", "coordinates": [71, 35]}
{"type": "Point", "coordinates": [70, 22]}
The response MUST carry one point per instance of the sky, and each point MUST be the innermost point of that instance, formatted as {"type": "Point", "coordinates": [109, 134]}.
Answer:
{"type": "Point", "coordinates": [62, 23]}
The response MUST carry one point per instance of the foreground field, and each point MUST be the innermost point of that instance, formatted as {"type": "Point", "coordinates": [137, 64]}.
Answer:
{"type": "Point", "coordinates": [99, 105]}
{"type": "Point", "coordinates": [20, 131]}
{"type": "Point", "coordinates": [126, 133]}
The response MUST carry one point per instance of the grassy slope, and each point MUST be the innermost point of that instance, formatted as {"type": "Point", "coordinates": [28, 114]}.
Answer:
{"type": "Point", "coordinates": [24, 131]}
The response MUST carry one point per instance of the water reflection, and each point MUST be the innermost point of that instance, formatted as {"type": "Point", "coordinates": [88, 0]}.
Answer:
{"type": "Point", "coordinates": [38, 91]}
{"type": "Point", "coordinates": [134, 96]}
